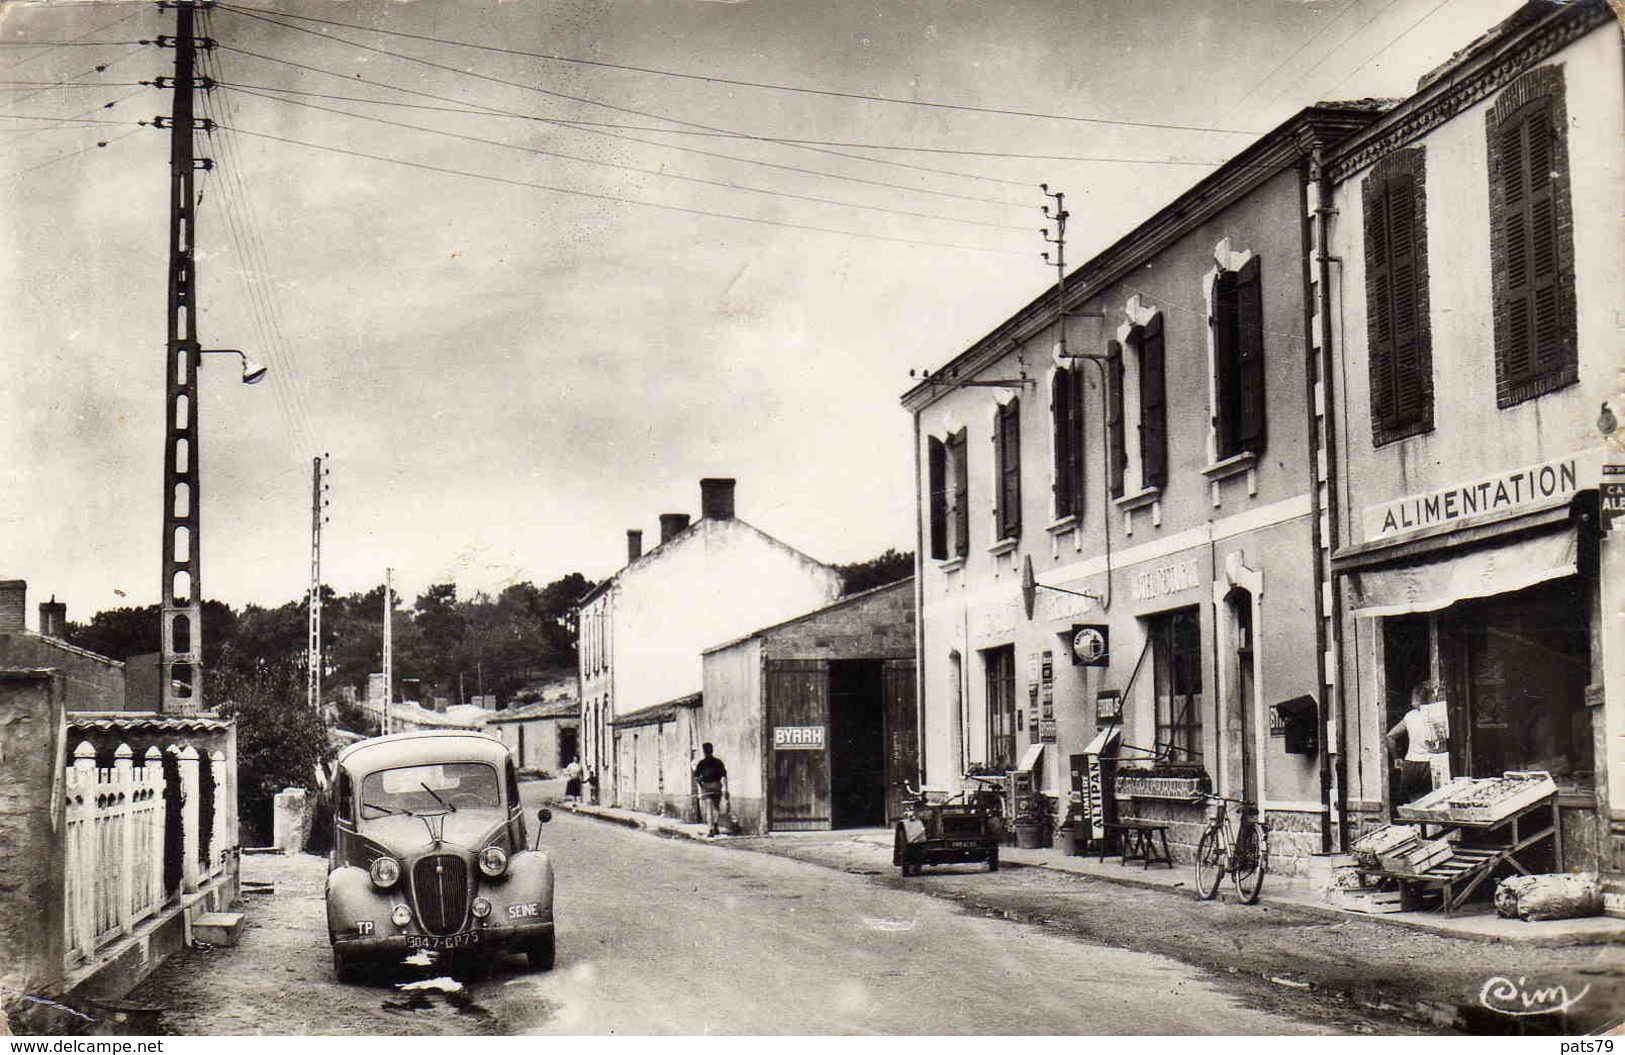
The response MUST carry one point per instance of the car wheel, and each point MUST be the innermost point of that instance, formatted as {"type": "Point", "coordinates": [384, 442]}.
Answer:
{"type": "Point", "coordinates": [542, 952]}
{"type": "Point", "coordinates": [348, 970]}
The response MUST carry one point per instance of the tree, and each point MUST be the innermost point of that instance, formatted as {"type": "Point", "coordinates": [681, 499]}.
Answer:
{"type": "Point", "coordinates": [889, 567]}
{"type": "Point", "coordinates": [281, 740]}
{"type": "Point", "coordinates": [120, 633]}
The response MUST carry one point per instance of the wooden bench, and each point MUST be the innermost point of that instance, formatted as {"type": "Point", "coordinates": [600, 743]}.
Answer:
{"type": "Point", "coordinates": [1144, 841]}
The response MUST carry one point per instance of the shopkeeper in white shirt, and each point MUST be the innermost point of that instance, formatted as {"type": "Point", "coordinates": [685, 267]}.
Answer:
{"type": "Point", "coordinates": [1415, 769]}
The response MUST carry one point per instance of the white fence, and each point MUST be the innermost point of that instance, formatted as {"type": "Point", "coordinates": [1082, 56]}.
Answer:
{"type": "Point", "coordinates": [114, 840]}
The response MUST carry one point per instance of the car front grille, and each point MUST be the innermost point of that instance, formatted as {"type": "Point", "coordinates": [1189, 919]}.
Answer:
{"type": "Point", "coordinates": [962, 824]}
{"type": "Point", "coordinates": [440, 882]}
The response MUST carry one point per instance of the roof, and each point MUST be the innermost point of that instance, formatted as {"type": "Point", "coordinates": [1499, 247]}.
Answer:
{"type": "Point", "coordinates": [657, 713]}
{"type": "Point", "coordinates": [692, 531]}
{"type": "Point", "coordinates": [145, 722]}
{"type": "Point", "coordinates": [563, 707]}
{"type": "Point", "coordinates": [424, 746]}
{"type": "Point", "coordinates": [841, 602]}
{"type": "Point", "coordinates": [63, 646]}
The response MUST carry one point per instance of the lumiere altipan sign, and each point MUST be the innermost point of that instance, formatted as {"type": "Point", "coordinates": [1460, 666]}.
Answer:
{"type": "Point", "coordinates": [1503, 492]}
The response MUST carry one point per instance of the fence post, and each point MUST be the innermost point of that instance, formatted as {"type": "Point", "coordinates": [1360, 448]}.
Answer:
{"type": "Point", "coordinates": [217, 841]}
{"type": "Point", "coordinates": [153, 764]}
{"type": "Point", "coordinates": [81, 899]}
{"type": "Point", "coordinates": [123, 794]}
{"type": "Point", "coordinates": [188, 761]}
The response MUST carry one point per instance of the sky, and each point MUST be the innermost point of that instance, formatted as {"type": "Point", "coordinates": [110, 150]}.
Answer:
{"type": "Point", "coordinates": [531, 296]}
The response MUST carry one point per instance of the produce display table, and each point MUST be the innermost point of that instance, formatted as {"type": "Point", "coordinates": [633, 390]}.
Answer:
{"type": "Point", "coordinates": [1481, 847]}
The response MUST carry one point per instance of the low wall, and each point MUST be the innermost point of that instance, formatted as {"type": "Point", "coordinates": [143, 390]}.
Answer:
{"type": "Point", "coordinates": [31, 866]}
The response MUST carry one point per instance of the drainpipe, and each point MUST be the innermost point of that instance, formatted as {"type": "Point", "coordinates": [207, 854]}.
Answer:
{"type": "Point", "coordinates": [919, 615]}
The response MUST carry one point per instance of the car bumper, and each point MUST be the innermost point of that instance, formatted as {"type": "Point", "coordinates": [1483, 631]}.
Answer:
{"type": "Point", "coordinates": [507, 937]}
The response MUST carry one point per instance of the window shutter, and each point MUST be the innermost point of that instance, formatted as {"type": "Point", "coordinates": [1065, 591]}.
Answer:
{"type": "Point", "coordinates": [1549, 341]}
{"type": "Point", "coordinates": [1380, 297]}
{"type": "Point", "coordinates": [1408, 382]}
{"type": "Point", "coordinates": [1061, 426]}
{"type": "Point", "coordinates": [1153, 407]}
{"type": "Point", "coordinates": [937, 470]}
{"type": "Point", "coordinates": [1249, 431]}
{"type": "Point", "coordinates": [1224, 361]}
{"type": "Point", "coordinates": [1075, 428]}
{"type": "Point", "coordinates": [961, 495]}
{"type": "Point", "coordinates": [1117, 455]}
{"type": "Point", "coordinates": [1009, 451]}
{"type": "Point", "coordinates": [1519, 354]}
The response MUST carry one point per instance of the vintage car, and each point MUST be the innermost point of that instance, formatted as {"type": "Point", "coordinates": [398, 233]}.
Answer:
{"type": "Point", "coordinates": [945, 826]}
{"type": "Point", "coordinates": [429, 852]}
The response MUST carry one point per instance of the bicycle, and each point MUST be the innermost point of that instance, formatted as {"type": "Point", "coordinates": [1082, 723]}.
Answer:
{"type": "Point", "coordinates": [1239, 847]}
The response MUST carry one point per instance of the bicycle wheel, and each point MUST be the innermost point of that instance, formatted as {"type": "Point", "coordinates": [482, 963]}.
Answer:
{"type": "Point", "coordinates": [1250, 861]}
{"type": "Point", "coordinates": [1209, 864]}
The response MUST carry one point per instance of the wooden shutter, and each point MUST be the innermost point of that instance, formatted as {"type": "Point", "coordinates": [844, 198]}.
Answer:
{"type": "Point", "coordinates": [1223, 322]}
{"type": "Point", "coordinates": [1008, 435]}
{"type": "Point", "coordinates": [937, 470]}
{"type": "Point", "coordinates": [1117, 455]}
{"type": "Point", "coordinates": [1075, 428]}
{"type": "Point", "coordinates": [1066, 411]}
{"type": "Point", "coordinates": [902, 734]}
{"type": "Point", "coordinates": [1249, 426]}
{"type": "Point", "coordinates": [1409, 392]}
{"type": "Point", "coordinates": [1153, 407]}
{"type": "Point", "coordinates": [961, 493]}
{"type": "Point", "coordinates": [1535, 332]}
{"type": "Point", "coordinates": [1396, 288]}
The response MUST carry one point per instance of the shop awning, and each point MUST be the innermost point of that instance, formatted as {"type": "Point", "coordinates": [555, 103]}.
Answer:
{"type": "Point", "coordinates": [1428, 587]}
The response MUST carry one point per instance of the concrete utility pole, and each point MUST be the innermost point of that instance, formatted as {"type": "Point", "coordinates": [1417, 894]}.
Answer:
{"type": "Point", "coordinates": [181, 674]}
{"type": "Point", "coordinates": [386, 723]}
{"type": "Point", "coordinates": [313, 649]}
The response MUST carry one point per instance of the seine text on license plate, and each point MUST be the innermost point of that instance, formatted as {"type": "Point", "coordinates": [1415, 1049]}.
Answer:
{"type": "Point", "coordinates": [441, 941]}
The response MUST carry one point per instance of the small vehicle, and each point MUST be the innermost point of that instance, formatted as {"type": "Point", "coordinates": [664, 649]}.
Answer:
{"type": "Point", "coordinates": [429, 852]}
{"type": "Point", "coordinates": [1234, 846]}
{"type": "Point", "coordinates": [944, 826]}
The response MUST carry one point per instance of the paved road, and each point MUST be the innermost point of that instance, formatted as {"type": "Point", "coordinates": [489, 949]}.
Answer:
{"type": "Point", "coordinates": [660, 936]}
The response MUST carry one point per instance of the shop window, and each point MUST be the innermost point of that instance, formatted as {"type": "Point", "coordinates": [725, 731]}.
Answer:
{"type": "Point", "coordinates": [1147, 342]}
{"type": "Point", "coordinates": [1000, 665]}
{"type": "Point", "coordinates": [936, 458]}
{"type": "Point", "coordinates": [1066, 413]}
{"type": "Point", "coordinates": [1238, 360]}
{"type": "Point", "coordinates": [1007, 457]}
{"type": "Point", "coordinates": [1531, 239]}
{"type": "Point", "coordinates": [1117, 451]}
{"type": "Point", "coordinates": [959, 493]}
{"type": "Point", "coordinates": [1399, 337]}
{"type": "Point", "coordinates": [1176, 656]}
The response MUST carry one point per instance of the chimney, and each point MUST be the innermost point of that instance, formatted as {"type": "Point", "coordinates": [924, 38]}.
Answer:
{"type": "Point", "coordinates": [634, 544]}
{"type": "Point", "coordinates": [13, 603]}
{"type": "Point", "coordinates": [670, 525]}
{"type": "Point", "coordinates": [53, 618]}
{"type": "Point", "coordinates": [717, 498]}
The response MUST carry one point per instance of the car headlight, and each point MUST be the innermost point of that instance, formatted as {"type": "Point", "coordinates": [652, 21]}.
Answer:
{"type": "Point", "coordinates": [401, 916]}
{"type": "Point", "coordinates": [482, 908]}
{"type": "Point", "coordinates": [493, 861]}
{"type": "Point", "coordinates": [385, 871]}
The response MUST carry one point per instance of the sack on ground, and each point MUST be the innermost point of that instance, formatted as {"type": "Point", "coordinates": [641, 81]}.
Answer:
{"type": "Point", "coordinates": [1539, 897]}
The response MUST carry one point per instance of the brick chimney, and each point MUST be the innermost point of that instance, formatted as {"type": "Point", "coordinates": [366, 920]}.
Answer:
{"type": "Point", "coordinates": [717, 498]}
{"type": "Point", "coordinates": [53, 618]}
{"type": "Point", "coordinates": [671, 524]}
{"type": "Point", "coordinates": [634, 544]}
{"type": "Point", "coordinates": [13, 605]}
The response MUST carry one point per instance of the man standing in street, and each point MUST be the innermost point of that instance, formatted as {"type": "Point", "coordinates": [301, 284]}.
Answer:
{"type": "Point", "coordinates": [711, 778]}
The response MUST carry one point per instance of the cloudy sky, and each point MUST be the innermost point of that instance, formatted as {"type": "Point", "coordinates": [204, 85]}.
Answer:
{"type": "Point", "coordinates": [526, 296]}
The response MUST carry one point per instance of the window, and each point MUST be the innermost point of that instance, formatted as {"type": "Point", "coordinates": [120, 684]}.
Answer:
{"type": "Point", "coordinates": [1147, 340]}
{"type": "Point", "coordinates": [1532, 240]}
{"type": "Point", "coordinates": [1066, 412]}
{"type": "Point", "coordinates": [1007, 450]}
{"type": "Point", "coordinates": [1396, 298]}
{"type": "Point", "coordinates": [959, 495]}
{"type": "Point", "coordinates": [1176, 657]}
{"type": "Point", "coordinates": [1117, 453]}
{"type": "Point", "coordinates": [1000, 664]}
{"type": "Point", "coordinates": [1238, 360]}
{"type": "Point", "coordinates": [936, 457]}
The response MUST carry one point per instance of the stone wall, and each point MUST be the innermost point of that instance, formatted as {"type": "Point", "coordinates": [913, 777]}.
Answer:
{"type": "Point", "coordinates": [31, 877]}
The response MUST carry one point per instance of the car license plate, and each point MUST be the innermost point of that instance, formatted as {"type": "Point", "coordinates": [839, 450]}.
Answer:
{"type": "Point", "coordinates": [442, 941]}
{"type": "Point", "coordinates": [965, 844]}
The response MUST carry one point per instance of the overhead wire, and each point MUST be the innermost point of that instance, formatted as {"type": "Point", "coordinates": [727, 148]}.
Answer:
{"type": "Point", "coordinates": [709, 78]}
{"type": "Point", "coordinates": [1299, 50]}
{"type": "Point", "coordinates": [64, 157]}
{"type": "Point", "coordinates": [1303, 77]}
{"type": "Point", "coordinates": [89, 32]}
{"type": "Point", "coordinates": [1435, 9]}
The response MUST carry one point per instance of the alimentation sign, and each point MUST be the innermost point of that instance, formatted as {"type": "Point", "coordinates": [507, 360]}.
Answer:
{"type": "Point", "coordinates": [1503, 492]}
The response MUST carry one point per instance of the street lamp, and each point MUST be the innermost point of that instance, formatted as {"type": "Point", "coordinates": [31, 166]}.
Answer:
{"type": "Point", "coordinates": [253, 372]}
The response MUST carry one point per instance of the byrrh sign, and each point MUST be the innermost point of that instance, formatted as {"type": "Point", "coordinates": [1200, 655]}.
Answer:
{"type": "Point", "coordinates": [1496, 494]}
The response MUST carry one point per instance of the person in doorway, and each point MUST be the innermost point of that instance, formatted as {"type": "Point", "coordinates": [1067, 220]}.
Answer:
{"type": "Point", "coordinates": [1415, 766]}
{"type": "Point", "coordinates": [572, 781]}
{"type": "Point", "coordinates": [711, 782]}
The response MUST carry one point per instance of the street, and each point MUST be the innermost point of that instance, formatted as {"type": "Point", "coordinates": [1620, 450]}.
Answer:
{"type": "Point", "coordinates": [661, 936]}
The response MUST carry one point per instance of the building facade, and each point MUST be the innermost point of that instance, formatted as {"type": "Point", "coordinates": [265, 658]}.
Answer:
{"type": "Point", "coordinates": [544, 737]}
{"type": "Point", "coordinates": [642, 631]}
{"type": "Point", "coordinates": [1479, 230]}
{"type": "Point", "coordinates": [1128, 538]}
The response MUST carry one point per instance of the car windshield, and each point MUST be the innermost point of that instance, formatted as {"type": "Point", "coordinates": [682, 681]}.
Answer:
{"type": "Point", "coordinates": [438, 788]}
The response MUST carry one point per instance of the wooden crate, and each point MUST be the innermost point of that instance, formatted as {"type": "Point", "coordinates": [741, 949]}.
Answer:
{"type": "Point", "coordinates": [1376, 902]}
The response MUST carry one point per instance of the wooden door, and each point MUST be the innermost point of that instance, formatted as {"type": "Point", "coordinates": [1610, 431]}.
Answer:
{"type": "Point", "coordinates": [902, 734]}
{"type": "Point", "coordinates": [797, 693]}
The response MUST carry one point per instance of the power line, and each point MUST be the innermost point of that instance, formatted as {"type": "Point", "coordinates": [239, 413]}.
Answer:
{"type": "Point", "coordinates": [633, 139]}
{"type": "Point", "coordinates": [1379, 52]}
{"type": "Point", "coordinates": [67, 43]}
{"type": "Point", "coordinates": [89, 32]}
{"type": "Point", "coordinates": [1302, 77]}
{"type": "Point", "coordinates": [612, 106]}
{"type": "Point", "coordinates": [633, 168]}
{"type": "Point", "coordinates": [619, 200]}
{"type": "Point", "coordinates": [859, 96]}
{"type": "Point", "coordinates": [1350, 6]}
{"type": "Point", "coordinates": [94, 146]}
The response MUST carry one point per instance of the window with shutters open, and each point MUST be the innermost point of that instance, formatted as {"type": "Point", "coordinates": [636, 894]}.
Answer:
{"type": "Point", "coordinates": [1399, 336]}
{"type": "Point", "coordinates": [1117, 455]}
{"type": "Point", "coordinates": [936, 457]}
{"type": "Point", "coordinates": [1066, 416]}
{"type": "Point", "coordinates": [1532, 240]}
{"type": "Point", "coordinates": [1007, 451]}
{"type": "Point", "coordinates": [1148, 343]}
{"type": "Point", "coordinates": [959, 493]}
{"type": "Point", "coordinates": [1238, 344]}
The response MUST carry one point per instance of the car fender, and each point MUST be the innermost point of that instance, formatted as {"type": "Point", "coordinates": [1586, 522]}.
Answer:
{"type": "Point", "coordinates": [913, 830]}
{"type": "Point", "coordinates": [529, 880]}
{"type": "Point", "coordinates": [352, 898]}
